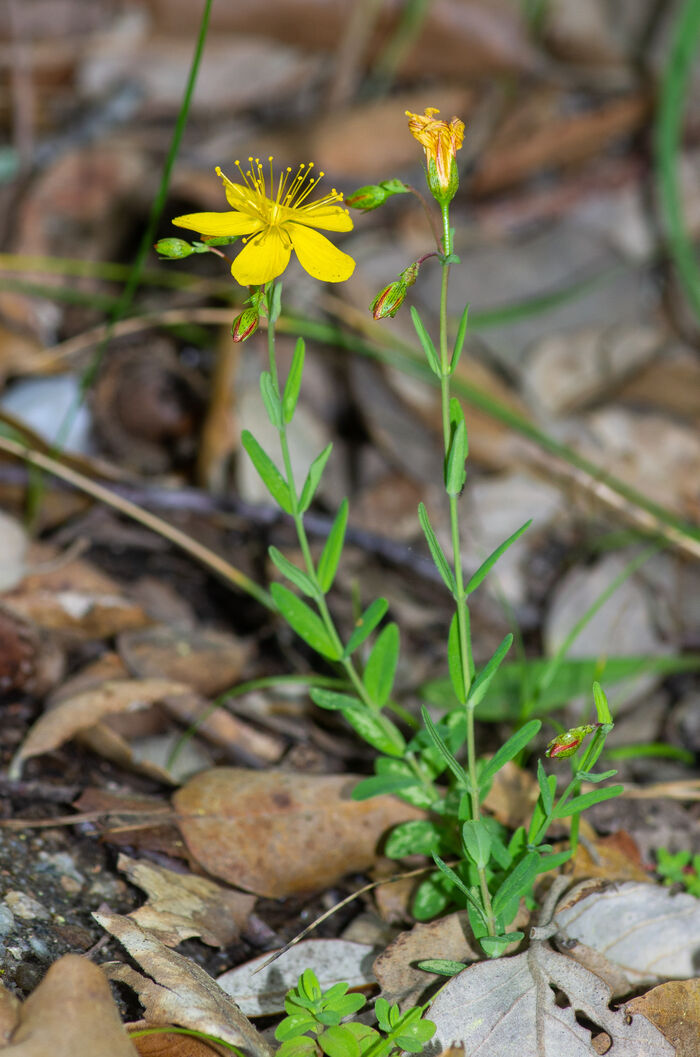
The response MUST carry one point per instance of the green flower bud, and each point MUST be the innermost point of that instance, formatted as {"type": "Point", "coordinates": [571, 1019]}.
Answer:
{"type": "Point", "coordinates": [245, 324]}
{"type": "Point", "coordinates": [566, 744]}
{"type": "Point", "coordinates": [389, 300]}
{"type": "Point", "coordinates": [173, 249]}
{"type": "Point", "coordinates": [374, 195]}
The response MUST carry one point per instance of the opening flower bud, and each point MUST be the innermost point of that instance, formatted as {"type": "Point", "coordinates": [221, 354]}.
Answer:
{"type": "Point", "coordinates": [441, 141]}
{"type": "Point", "coordinates": [245, 325]}
{"type": "Point", "coordinates": [566, 744]}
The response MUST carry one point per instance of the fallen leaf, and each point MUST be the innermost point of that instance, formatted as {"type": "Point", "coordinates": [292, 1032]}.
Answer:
{"type": "Point", "coordinates": [181, 905]}
{"type": "Point", "coordinates": [512, 796]}
{"type": "Point", "coordinates": [84, 710]}
{"type": "Point", "coordinates": [314, 833]}
{"type": "Point", "coordinates": [651, 933]}
{"type": "Point", "coordinates": [71, 1014]}
{"type": "Point", "coordinates": [30, 660]}
{"type": "Point", "coordinates": [180, 992]}
{"type": "Point", "coordinates": [9, 1014]}
{"type": "Point", "coordinates": [172, 1044]}
{"type": "Point", "coordinates": [674, 1008]}
{"type": "Point", "coordinates": [137, 822]}
{"type": "Point", "coordinates": [612, 858]}
{"type": "Point", "coordinates": [13, 548]}
{"type": "Point", "coordinates": [508, 1007]}
{"type": "Point", "coordinates": [261, 993]}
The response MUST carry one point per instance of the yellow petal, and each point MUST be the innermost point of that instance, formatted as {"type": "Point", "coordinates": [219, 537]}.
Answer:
{"type": "Point", "coordinates": [261, 259]}
{"type": "Point", "coordinates": [318, 256]}
{"type": "Point", "coordinates": [219, 223]}
{"type": "Point", "coordinates": [238, 195]}
{"type": "Point", "coordinates": [332, 218]}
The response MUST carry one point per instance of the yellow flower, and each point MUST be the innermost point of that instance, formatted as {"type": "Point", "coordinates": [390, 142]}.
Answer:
{"type": "Point", "coordinates": [441, 143]}
{"type": "Point", "coordinates": [275, 222]}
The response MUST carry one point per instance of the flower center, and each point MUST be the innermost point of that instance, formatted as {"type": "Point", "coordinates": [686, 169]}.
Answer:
{"type": "Point", "coordinates": [290, 193]}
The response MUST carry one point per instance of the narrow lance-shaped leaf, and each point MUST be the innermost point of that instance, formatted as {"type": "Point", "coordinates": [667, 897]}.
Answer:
{"type": "Point", "coordinates": [517, 883]}
{"type": "Point", "coordinates": [426, 342]}
{"type": "Point", "coordinates": [298, 577]}
{"type": "Point", "coordinates": [459, 883]}
{"type": "Point", "coordinates": [380, 669]}
{"type": "Point", "coordinates": [293, 383]}
{"type": "Point", "coordinates": [481, 683]}
{"type": "Point", "coordinates": [333, 548]}
{"type": "Point", "coordinates": [269, 474]}
{"type": "Point", "coordinates": [454, 660]}
{"type": "Point", "coordinates": [302, 619]}
{"type": "Point", "coordinates": [508, 751]}
{"type": "Point", "coordinates": [313, 478]}
{"type": "Point", "coordinates": [366, 624]}
{"type": "Point", "coordinates": [448, 757]}
{"type": "Point", "coordinates": [271, 399]}
{"type": "Point", "coordinates": [486, 566]}
{"type": "Point", "coordinates": [436, 550]}
{"type": "Point", "coordinates": [459, 341]}
{"type": "Point", "coordinates": [455, 474]}
{"type": "Point", "coordinates": [581, 803]}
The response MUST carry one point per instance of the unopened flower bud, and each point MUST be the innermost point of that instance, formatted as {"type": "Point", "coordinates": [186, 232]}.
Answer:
{"type": "Point", "coordinates": [173, 249]}
{"type": "Point", "coordinates": [374, 195]}
{"type": "Point", "coordinates": [389, 300]}
{"type": "Point", "coordinates": [245, 325]}
{"type": "Point", "coordinates": [567, 743]}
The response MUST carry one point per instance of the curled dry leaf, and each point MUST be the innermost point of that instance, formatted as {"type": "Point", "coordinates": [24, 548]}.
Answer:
{"type": "Point", "coordinates": [650, 933]}
{"type": "Point", "coordinates": [278, 833]}
{"type": "Point", "coordinates": [508, 1007]}
{"type": "Point", "coordinates": [86, 709]}
{"type": "Point", "coordinates": [260, 992]}
{"type": "Point", "coordinates": [674, 1008]}
{"type": "Point", "coordinates": [179, 991]}
{"type": "Point", "coordinates": [172, 1044]}
{"type": "Point", "coordinates": [71, 1014]}
{"type": "Point", "coordinates": [181, 905]}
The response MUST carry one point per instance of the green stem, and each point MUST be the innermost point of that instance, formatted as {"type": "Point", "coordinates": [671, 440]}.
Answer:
{"type": "Point", "coordinates": [463, 622]}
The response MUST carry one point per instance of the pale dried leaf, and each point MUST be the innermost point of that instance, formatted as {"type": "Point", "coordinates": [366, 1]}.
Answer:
{"type": "Point", "coordinates": [180, 992]}
{"type": "Point", "coordinates": [397, 974]}
{"type": "Point", "coordinates": [314, 833]}
{"type": "Point", "coordinates": [181, 905]}
{"type": "Point", "coordinates": [173, 1044]}
{"type": "Point", "coordinates": [71, 1014]}
{"type": "Point", "coordinates": [332, 961]}
{"type": "Point", "coordinates": [207, 661]}
{"type": "Point", "coordinates": [84, 710]}
{"type": "Point", "coordinates": [508, 1007]}
{"type": "Point", "coordinates": [13, 550]}
{"type": "Point", "coordinates": [650, 933]}
{"type": "Point", "coordinates": [9, 1014]}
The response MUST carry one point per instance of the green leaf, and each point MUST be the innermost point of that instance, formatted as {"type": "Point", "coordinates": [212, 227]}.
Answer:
{"type": "Point", "coordinates": [472, 897]}
{"type": "Point", "coordinates": [436, 550]}
{"type": "Point", "coordinates": [309, 986]}
{"type": "Point", "coordinates": [302, 619]}
{"type": "Point", "coordinates": [455, 474]}
{"type": "Point", "coordinates": [333, 548]}
{"type": "Point", "coordinates": [459, 340]}
{"type": "Point", "coordinates": [586, 800]}
{"type": "Point", "coordinates": [379, 784]}
{"type": "Point", "coordinates": [430, 899]}
{"type": "Point", "coordinates": [377, 731]}
{"type": "Point", "coordinates": [302, 1046]}
{"type": "Point", "coordinates": [333, 701]}
{"type": "Point", "coordinates": [427, 343]}
{"type": "Point", "coordinates": [478, 689]}
{"type": "Point", "coordinates": [601, 704]}
{"type": "Point", "coordinates": [416, 837]}
{"type": "Point", "coordinates": [454, 660]}
{"type": "Point", "coordinates": [295, 1025]}
{"type": "Point", "coordinates": [442, 966]}
{"type": "Point", "coordinates": [339, 1042]}
{"type": "Point", "coordinates": [451, 761]}
{"type": "Point", "coordinates": [380, 669]}
{"type": "Point", "coordinates": [546, 788]}
{"type": "Point", "coordinates": [366, 624]}
{"type": "Point", "coordinates": [518, 882]}
{"type": "Point", "coordinates": [313, 479]}
{"type": "Point", "coordinates": [509, 750]}
{"type": "Point", "coordinates": [269, 474]}
{"type": "Point", "coordinates": [592, 776]}
{"type": "Point", "coordinates": [293, 383]}
{"type": "Point", "coordinates": [274, 300]}
{"type": "Point", "coordinates": [271, 399]}
{"type": "Point", "coordinates": [298, 577]}
{"type": "Point", "coordinates": [477, 842]}
{"type": "Point", "coordinates": [486, 566]}
{"type": "Point", "coordinates": [495, 946]}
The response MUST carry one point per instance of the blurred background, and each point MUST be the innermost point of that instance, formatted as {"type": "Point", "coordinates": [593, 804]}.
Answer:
{"type": "Point", "coordinates": [578, 205]}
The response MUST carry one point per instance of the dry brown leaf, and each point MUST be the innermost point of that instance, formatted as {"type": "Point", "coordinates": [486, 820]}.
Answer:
{"type": "Point", "coordinates": [84, 710]}
{"type": "Point", "coordinates": [512, 795]}
{"type": "Point", "coordinates": [138, 822]}
{"type": "Point", "coordinates": [183, 905]}
{"type": "Point", "coordinates": [71, 1014]}
{"type": "Point", "coordinates": [173, 1044]}
{"type": "Point", "coordinates": [450, 938]}
{"type": "Point", "coordinates": [278, 833]}
{"type": "Point", "coordinates": [30, 660]}
{"type": "Point", "coordinates": [180, 992]}
{"type": "Point", "coordinates": [612, 858]}
{"type": "Point", "coordinates": [9, 1014]}
{"type": "Point", "coordinates": [244, 742]}
{"type": "Point", "coordinates": [675, 1010]}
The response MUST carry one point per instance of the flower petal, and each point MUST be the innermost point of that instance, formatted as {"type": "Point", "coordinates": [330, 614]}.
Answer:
{"type": "Point", "coordinates": [239, 196]}
{"type": "Point", "coordinates": [219, 223]}
{"type": "Point", "coordinates": [261, 259]}
{"type": "Point", "coordinates": [332, 218]}
{"type": "Point", "coordinates": [319, 257]}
